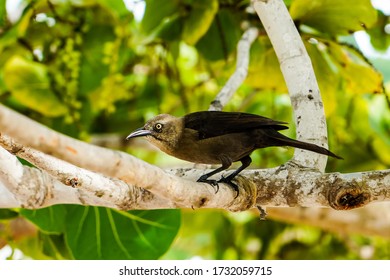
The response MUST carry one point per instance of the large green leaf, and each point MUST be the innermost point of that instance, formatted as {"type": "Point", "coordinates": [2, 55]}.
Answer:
{"type": "Point", "coordinates": [334, 16]}
{"type": "Point", "coordinates": [102, 233]}
{"type": "Point", "coordinates": [29, 83]}
{"type": "Point", "coordinates": [199, 20]}
{"type": "Point", "coordinates": [222, 36]}
{"type": "Point", "coordinates": [53, 246]}
{"type": "Point", "coordinates": [49, 220]}
{"type": "Point", "coordinates": [156, 11]}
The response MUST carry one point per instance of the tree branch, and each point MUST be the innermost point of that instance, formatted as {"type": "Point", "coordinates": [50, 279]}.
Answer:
{"type": "Point", "coordinates": [134, 172]}
{"type": "Point", "coordinates": [75, 185]}
{"type": "Point", "coordinates": [300, 79]}
{"type": "Point", "coordinates": [284, 186]}
{"type": "Point", "coordinates": [129, 183]}
{"type": "Point", "coordinates": [270, 187]}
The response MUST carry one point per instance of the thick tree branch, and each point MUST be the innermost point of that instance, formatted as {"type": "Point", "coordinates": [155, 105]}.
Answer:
{"type": "Point", "coordinates": [270, 187]}
{"type": "Point", "coordinates": [30, 187]}
{"type": "Point", "coordinates": [75, 185]}
{"type": "Point", "coordinates": [7, 198]}
{"type": "Point", "coordinates": [135, 172]}
{"type": "Point", "coordinates": [300, 79]}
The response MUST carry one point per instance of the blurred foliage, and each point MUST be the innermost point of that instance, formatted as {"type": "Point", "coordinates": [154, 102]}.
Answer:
{"type": "Point", "coordinates": [87, 67]}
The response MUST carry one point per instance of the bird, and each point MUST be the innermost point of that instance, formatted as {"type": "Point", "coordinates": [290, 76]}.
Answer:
{"type": "Point", "coordinates": [217, 137]}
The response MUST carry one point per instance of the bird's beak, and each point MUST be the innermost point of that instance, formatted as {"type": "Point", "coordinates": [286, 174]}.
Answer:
{"type": "Point", "coordinates": [139, 132]}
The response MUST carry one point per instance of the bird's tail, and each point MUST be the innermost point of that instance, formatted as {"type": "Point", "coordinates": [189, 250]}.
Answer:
{"type": "Point", "coordinates": [281, 140]}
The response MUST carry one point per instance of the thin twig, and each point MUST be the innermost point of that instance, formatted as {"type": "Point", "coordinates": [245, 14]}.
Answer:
{"type": "Point", "coordinates": [239, 75]}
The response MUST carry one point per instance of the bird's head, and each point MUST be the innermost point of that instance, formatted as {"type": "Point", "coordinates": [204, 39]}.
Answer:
{"type": "Point", "coordinates": [163, 131]}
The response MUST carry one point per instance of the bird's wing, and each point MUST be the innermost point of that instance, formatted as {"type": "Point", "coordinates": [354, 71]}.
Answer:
{"type": "Point", "coordinates": [214, 123]}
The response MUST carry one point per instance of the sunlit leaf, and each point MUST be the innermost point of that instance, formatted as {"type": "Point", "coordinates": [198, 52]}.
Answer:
{"type": "Point", "coordinates": [327, 78]}
{"type": "Point", "coordinates": [334, 17]}
{"type": "Point", "coordinates": [352, 64]}
{"type": "Point", "coordinates": [30, 85]}
{"type": "Point", "coordinates": [199, 20]}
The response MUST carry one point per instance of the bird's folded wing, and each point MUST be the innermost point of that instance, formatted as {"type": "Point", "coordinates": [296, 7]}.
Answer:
{"type": "Point", "coordinates": [215, 123]}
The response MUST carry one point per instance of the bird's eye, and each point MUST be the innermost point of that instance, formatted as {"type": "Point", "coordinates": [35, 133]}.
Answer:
{"type": "Point", "coordinates": [158, 127]}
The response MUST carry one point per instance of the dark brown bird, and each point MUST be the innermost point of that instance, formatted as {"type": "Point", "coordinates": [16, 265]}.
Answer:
{"type": "Point", "coordinates": [213, 137]}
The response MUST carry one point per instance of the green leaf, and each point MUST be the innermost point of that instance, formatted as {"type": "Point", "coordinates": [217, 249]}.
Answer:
{"type": "Point", "coordinates": [30, 85]}
{"type": "Point", "coordinates": [327, 77]}
{"type": "Point", "coordinates": [171, 29]}
{"type": "Point", "coordinates": [93, 69]}
{"type": "Point", "coordinates": [378, 36]}
{"type": "Point", "coordinates": [48, 220]}
{"type": "Point", "coordinates": [334, 16]}
{"type": "Point", "coordinates": [102, 233]}
{"type": "Point", "coordinates": [6, 214]}
{"type": "Point", "coordinates": [54, 246]}
{"type": "Point", "coordinates": [201, 16]}
{"type": "Point", "coordinates": [222, 37]}
{"type": "Point", "coordinates": [155, 13]}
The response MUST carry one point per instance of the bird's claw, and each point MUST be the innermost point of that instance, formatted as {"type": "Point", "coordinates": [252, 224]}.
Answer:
{"type": "Point", "coordinates": [213, 183]}
{"type": "Point", "coordinates": [230, 183]}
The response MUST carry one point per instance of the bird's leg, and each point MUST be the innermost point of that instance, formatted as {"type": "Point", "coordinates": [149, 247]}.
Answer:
{"type": "Point", "coordinates": [226, 162]}
{"type": "Point", "coordinates": [214, 183]}
{"type": "Point", "coordinates": [246, 161]}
